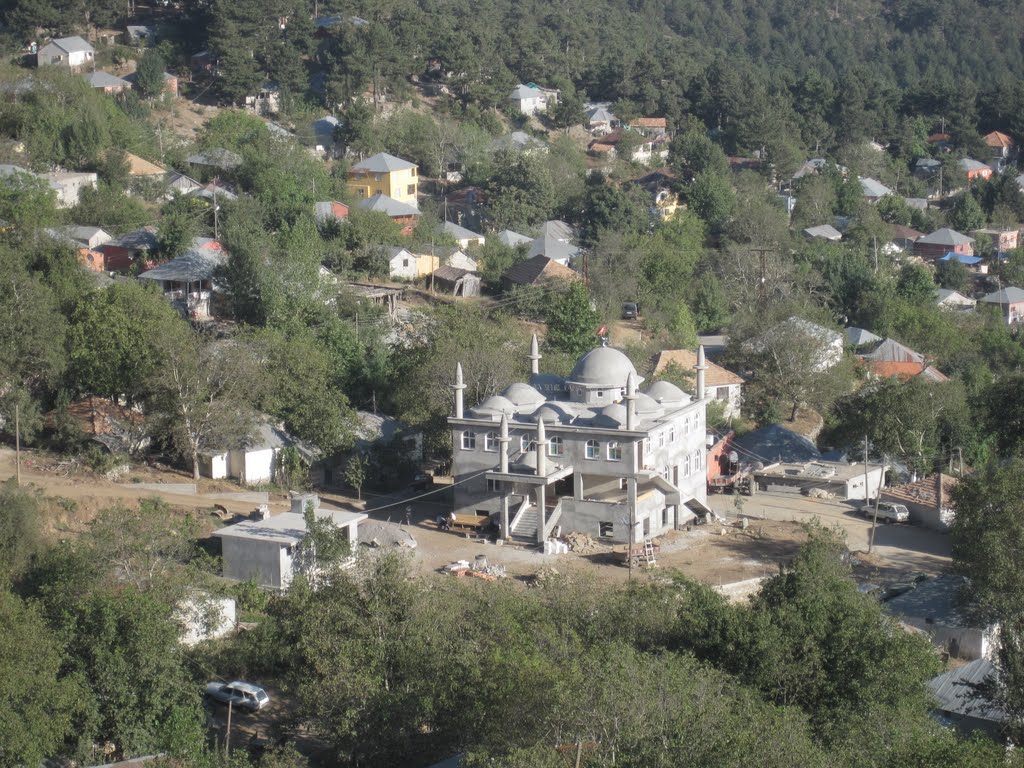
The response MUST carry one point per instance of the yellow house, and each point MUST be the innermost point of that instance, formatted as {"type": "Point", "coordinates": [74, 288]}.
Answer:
{"type": "Point", "coordinates": [386, 175]}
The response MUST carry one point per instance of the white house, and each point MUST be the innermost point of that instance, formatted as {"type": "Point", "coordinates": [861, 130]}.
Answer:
{"type": "Point", "coordinates": [257, 461]}
{"type": "Point", "coordinates": [68, 185]}
{"type": "Point", "coordinates": [798, 331]}
{"type": "Point", "coordinates": [401, 263]}
{"type": "Point", "coordinates": [531, 99]}
{"type": "Point", "coordinates": [72, 52]}
{"type": "Point", "coordinates": [269, 551]}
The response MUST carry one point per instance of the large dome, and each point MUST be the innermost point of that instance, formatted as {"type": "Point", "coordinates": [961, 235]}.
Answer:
{"type": "Point", "coordinates": [603, 366]}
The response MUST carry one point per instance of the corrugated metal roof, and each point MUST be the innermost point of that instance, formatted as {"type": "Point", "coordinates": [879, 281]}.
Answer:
{"type": "Point", "coordinates": [192, 266]}
{"type": "Point", "coordinates": [945, 236]}
{"type": "Point", "coordinates": [74, 44]}
{"type": "Point", "coordinates": [956, 691]}
{"type": "Point", "coordinates": [384, 204]}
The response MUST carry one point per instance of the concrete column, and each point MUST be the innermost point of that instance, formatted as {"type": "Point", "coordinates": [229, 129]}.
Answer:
{"type": "Point", "coordinates": [542, 470]}
{"type": "Point", "coordinates": [700, 368]}
{"type": "Point", "coordinates": [542, 449]}
{"type": "Point", "coordinates": [534, 355]}
{"type": "Point", "coordinates": [635, 533]}
{"type": "Point", "coordinates": [459, 386]}
{"type": "Point", "coordinates": [503, 441]}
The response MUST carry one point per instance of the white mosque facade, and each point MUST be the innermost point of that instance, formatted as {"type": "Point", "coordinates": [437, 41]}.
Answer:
{"type": "Point", "coordinates": [588, 453]}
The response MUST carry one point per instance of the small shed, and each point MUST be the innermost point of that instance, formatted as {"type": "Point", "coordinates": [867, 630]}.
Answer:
{"type": "Point", "coordinates": [959, 703]}
{"type": "Point", "coordinates": [456, 281]}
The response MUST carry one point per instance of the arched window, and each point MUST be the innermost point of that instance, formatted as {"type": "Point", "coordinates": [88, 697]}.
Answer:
{"type": "Point", "coordinates": [555, 446]}
{"type": "Point", "coordinates": [686, 466]}
{"type": "Point", "coordinates": [698, 460]}
{"type": "Point", "coordinates": [491, 441]}
{"type": "Point", "coordinates": [593, 449]}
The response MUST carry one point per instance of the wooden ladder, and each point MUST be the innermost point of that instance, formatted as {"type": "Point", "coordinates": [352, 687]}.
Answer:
{"type": "Point", "coordinates": [649, 553]}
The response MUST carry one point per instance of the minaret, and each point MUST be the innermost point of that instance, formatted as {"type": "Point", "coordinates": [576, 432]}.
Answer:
{"type": "Point", "coordinates": [631, 401]}
{"type": "Point", "coordinates": [503, 441]}
{"type": "Point", "coordinates": [542, 448]}
{"type": "Point", "coordinates": [534, 356]}
{"type": "Point", "coordinates": [458, 386]}
{"type": "Point", "coordinates": [701, 367]}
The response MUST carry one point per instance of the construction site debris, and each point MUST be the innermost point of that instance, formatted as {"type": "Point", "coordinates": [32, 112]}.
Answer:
{"type": "Point", "coordinates": [376, 533]}
{"type": "Point", "coordinates": [583, 544]}
{"type": "Point", "coordinates": [544, 575]}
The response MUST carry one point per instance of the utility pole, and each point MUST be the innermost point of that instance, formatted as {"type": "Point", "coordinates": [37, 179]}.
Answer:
{"type": "Point", "coordinates": [227, 734]}
{"type": "Point", "coordinates": [874, 239]}
{"type": "Point", "coordinates": [216, 211]}
{"type": "Point", "coordinates": [867, 500]}
{"type": "Point", "coordinates": [17, 441]}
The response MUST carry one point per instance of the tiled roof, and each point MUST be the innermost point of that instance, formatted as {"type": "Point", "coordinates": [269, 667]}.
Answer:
{"type": "Point", "coordinates": [538, 269]}
{"type": "Point", "coordinates": [998, 139]}
{"type": "Point", "coordinates": [685, 359]}
{"type": "Point", "coordinates": [924, 492]}
{"type": "Point", "coordinates": [649, 122]}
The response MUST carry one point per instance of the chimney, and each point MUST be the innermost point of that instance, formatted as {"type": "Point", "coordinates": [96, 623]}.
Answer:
{"type": "Point", "coordinates": [534, 356]}
{"type": "Point", "coordinates": [503, 445]}
{"type": "Point", "coordinates": [631, 401]}
{"type": "Point", "coordinates": [542, 448]}
{"type": "Point", "coordinates": [701, 367]}
{"type": "Point", "coordinates": [458, 387]}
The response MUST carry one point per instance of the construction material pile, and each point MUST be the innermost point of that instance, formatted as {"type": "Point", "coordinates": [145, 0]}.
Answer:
{"type": "Point", "coordinates": [583, 544]}
{"type": "Point", "coordinates": [477, 570]}
{"type": "Point", "coordinates": [555, 547]}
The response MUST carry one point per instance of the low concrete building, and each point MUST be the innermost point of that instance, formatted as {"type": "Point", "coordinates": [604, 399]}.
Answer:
{"type": "Point", "coordinates": [822, 478]}
{"type": "Point", "coordinates": [933, 608]}
{"type": "Point", "coordinates": [270, 552]}
{"type": "Point", "coordinates": [204, 617]}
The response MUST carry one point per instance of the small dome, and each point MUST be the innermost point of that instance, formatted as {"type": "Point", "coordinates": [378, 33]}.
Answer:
{"type": "Point", "coordinates": [549, 415]}
{"type": "Point", "coordinates": [523, 394]}
{"type": "Point", "coordinates": [603, 366]}
{"type": "Point", "coordinates": [495, 405]}
{"type": "Point", "coordinates": [667, 392]}
{"type": "Point", "coordinates": [645, 404]}
{"type": "Point", "coordinates": [613, 416]}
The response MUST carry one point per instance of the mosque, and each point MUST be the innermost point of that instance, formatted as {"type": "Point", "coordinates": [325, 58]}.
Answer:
{"type": "Point", "coordinates": [588, 453]}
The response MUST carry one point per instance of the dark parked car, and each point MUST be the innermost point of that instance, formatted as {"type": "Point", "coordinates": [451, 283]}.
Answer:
{"type": "Point", "coordinates": [243, 695]}
{"type": "Point", "coordinates": [630, 311]}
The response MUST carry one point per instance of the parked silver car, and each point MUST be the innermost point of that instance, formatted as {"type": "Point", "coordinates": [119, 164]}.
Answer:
{"type": "Point", "coordinates": [243, 695]}
{"type": "Point", "coordinates": [887, 512]}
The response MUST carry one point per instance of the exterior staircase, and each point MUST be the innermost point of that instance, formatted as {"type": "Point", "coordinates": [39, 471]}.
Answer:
{"type": "Point", "coordinates": [524, 527]}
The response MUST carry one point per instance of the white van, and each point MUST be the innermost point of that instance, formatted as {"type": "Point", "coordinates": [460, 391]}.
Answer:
{"type": "Point", "coordinates": [887, 512]}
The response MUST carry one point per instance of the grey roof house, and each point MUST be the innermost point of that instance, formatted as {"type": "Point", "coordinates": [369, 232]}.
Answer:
{"type": "Point", "coordinates": [960, 703]}
{"type": "Point", "coordinates": [71, 52]}
{"type": "Point", "coordinates": [187, 281]}
{"type": "Point", "coordinates": [933, 608]}
{"type": "Point", "coordinates": [222, 159]}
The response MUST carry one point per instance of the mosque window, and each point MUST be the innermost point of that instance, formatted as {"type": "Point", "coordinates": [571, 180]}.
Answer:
{"type": "Point", "coordinates": [555, 446]}
{"type": "Point", "coordinates": [593, 449]}
{"type": "Point", "coordinates": [469, 441]}
{"type": "Point", "coordinates": [614, 452]}
{"type": "Point", "coordinates": [491, 441]}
